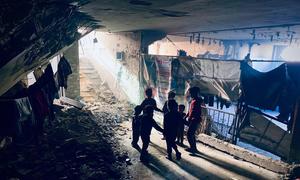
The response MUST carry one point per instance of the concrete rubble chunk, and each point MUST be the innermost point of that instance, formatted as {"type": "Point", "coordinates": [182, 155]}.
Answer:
{"type": "Point", "coordinates": [241, 153]}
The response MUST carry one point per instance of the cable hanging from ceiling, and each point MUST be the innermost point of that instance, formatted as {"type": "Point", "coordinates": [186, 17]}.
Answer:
{"type": "Point", "coordinates": [279, 33]}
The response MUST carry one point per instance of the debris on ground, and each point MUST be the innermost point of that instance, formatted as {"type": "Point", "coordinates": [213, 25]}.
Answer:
{"type": "Point", "coordinates": [80, 144]}
{"type": "Point", "coordinates": [77, 146]}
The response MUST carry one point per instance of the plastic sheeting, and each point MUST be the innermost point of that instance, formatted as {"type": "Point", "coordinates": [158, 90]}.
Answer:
{"type": "Point", "coordinates": [163, 66]}
{"type": "Point", "coordinates": [215, 77]}
{"type": "Point", "coordinates": [269, 90]}
{"type": "Point", "coordinates": [263, 90]}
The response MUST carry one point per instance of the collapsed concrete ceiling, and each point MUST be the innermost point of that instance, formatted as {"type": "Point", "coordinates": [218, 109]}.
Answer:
{"type": "Point", "coordinates": [32, 31]}
{"type": "Point", "coordinates": [192, 15]}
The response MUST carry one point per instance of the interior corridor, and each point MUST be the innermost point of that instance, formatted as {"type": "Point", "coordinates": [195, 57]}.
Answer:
{"type": "Point", "coordinates": [208, 164]}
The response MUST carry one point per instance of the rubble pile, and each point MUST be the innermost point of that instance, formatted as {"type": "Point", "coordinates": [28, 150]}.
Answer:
{"type": "Point", "coordinates": [106, 107]}
{"type": "Point", "coordinates": [78, 146]}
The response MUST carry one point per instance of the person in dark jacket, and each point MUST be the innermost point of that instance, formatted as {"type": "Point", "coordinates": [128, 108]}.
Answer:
{"type": "Point", "coordinates": [194, 117]}
{"type": "Point", "coordinates": [171, 96]}
{"type": "Point", "coordinates": [182, 122]}
{"type": "Point", "coordinates": [171, 125]}
{"type": "Point", "coordinates": [149, 100]}
{"type": "Point", "coordinates": [147, 122]}
{"type": "Point", "coordinates": [136, 126]}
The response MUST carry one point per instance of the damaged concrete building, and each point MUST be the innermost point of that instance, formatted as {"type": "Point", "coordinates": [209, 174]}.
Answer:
{"type": "Point", "coordinates": [72, 72]}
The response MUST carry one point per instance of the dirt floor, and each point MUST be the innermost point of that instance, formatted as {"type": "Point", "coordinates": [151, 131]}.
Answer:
{"type": "Point", "coordinates": [77, 146]}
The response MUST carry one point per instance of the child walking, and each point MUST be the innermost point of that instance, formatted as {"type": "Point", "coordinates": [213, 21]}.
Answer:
{"type": "Point", "coordinates": [182, 122]}
{"type": "Point", "coordinates": [171, 122]}
{"type": "Point", "coordinates": [136, 126]}
{"type": "Point", "coordinates": [147, 122]}
{"type": "Point", "coordinates": [150, 101]}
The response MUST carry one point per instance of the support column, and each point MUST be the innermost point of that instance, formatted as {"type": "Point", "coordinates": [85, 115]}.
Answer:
{"type": "Point", "coordinates": [295, 145]}
{"type": "Point", "coordinates": [72, 55]}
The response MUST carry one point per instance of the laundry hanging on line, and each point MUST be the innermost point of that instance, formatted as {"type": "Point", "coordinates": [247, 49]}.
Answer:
{"type": "Point", "coordinates": [63, 71]}
{"type": "Point", "coordinates": [21, 104]}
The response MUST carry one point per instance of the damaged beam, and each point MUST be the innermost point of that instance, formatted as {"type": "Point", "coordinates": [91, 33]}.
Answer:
{"type": "Point", "coordinates": [34, 33]}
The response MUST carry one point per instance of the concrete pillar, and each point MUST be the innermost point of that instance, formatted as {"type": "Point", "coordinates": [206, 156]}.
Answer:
{"type": "Point", "coordinates": [72, 55]}
{"type": "Point", "coordinates": [295, 145]}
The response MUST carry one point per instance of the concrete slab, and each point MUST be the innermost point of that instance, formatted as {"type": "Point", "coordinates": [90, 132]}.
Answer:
{"type": "Point", "coordinates": [66, 100]}
{"type": "Point", "coordinates": [244, 154]}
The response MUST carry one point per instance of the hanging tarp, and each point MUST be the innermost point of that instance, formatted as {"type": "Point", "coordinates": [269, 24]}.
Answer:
{"type": "Point", "coordinates": [278, 87]}
{"type": "Point", "coordinates": [163, 66]}
{"type": "Point", "coordinates": [267, 90]}
{"type": "Point", "coordinates": [215, 77]}
{"type": "Point", "coordinates": [260, 89]}
{"type": "Point", "coordinates": [149, 74]}
{"type": "Point", "coordinates": [293, 70]}
{"type": "Point", "coordinates": [178, 77]}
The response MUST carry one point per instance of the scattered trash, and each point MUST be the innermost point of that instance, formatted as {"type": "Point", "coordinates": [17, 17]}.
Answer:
{"type": "Point", "coordinates": [79, 144]}
{"type": "Point", "coordinates": [128, 161]}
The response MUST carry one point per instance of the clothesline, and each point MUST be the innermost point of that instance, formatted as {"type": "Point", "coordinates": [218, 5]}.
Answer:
{"type": "Point", "coordinates": [234, 60]}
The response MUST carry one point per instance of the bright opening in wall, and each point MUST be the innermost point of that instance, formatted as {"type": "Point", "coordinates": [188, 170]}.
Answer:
{"type": "Point", "coordinates": [105, 52]}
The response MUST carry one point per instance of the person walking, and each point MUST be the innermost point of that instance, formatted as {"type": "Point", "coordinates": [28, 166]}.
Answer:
{"type": "Point", "coordinates": [182, 122]}
{"type": "Point", "coordinates": [194, 118]}
{"type": "Point", "coordinates": [149, 101]}
{"type": "Point", "coordinates": [171, 125]}
{"type": "Point", "coordinates": [136, 126]}
{"type": "Point", "coordinates": [171, 96]}
{"type": "Point", "coordinates": [147, 122]}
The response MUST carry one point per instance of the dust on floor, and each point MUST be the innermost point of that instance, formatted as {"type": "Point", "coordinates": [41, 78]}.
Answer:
{"type": "Point", "coordinates": [77, 146]}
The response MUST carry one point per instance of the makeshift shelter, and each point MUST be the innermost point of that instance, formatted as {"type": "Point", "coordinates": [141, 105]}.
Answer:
{"type": "Point", "coordinates": [217, 79]}
{"type": "Point", "coordinates": [234, 81]}
{"type": "Point", "coordinates": [213, 77]}
{"type": "Point", "coordinates": [278, 88]}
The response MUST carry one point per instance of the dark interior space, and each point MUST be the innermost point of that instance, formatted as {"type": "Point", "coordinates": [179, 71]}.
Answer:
{"type": "Point", "coordinates": [84, 82]}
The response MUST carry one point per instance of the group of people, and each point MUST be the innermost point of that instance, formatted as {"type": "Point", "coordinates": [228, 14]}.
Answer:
{"type": "Point", "coordinates": [173, 123]}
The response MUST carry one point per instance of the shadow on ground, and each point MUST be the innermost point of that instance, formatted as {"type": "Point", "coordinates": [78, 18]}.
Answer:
{"type": "Point", "coordinates": [199, 172]}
